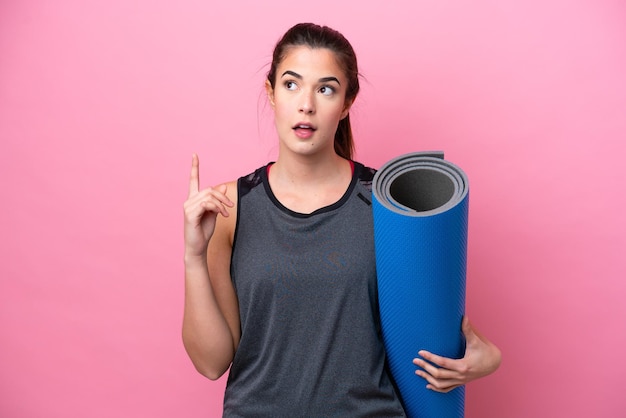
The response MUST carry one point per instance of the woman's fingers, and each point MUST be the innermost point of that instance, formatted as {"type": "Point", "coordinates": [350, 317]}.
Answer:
{"type": "Point", "coordinates": [212, 204]}
{"type": "Point", "coordinates": [442, 362]}
{"type": "Point", "coordinates": [442, 374]}
{"type": "Point", "coordinates": [207, 200]}
{"type": "Point", "coordinates": [436, 372]}
{"type": "Point", "coordinates": [222, 189]}
{"type": "Point", "coordinates": [439, 385]}
{"type": "Point", "coordinates": [210, 199]}
{"type": "Point", "coordinates": [439, 380]}
{"type": "Point", "coordinates": [194, 178]}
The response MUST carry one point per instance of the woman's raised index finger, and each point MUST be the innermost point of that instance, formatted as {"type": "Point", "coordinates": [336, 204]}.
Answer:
{"type": "Point", "coordinates": [194, 178]}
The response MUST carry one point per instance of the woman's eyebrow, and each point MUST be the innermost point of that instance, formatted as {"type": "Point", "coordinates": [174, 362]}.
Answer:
{"type": "Point", "coordinates": [292, 73]}
{"type": "Point", "coordinates": [321, 80]}
{"type": "Point", "coordinates": [327, 79]}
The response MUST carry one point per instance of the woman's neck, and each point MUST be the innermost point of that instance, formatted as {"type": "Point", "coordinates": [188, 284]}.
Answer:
{"type": "Point", "coordinates": [305, 171]}
{"type": "Point", "coordinates": [305, 185]}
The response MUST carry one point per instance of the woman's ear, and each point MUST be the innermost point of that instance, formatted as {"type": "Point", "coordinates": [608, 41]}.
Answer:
{"type": "Point", "coordinates": [346, 108]}
{"type": "Point", "coordinates": [269, 90]}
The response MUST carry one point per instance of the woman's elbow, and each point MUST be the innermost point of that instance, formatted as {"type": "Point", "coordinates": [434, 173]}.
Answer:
{"type": "Point", "coordinates": [211, 373]}
{"type": "Point", "coordinates": [208, 366]}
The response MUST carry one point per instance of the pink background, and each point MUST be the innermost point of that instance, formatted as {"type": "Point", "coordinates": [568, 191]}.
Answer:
{"type": "Point", "coordinates": [102, 105]}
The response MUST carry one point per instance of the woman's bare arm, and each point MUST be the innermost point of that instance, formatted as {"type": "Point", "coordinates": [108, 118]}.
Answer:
{"type": "Point", "coordinates": [211, 320]}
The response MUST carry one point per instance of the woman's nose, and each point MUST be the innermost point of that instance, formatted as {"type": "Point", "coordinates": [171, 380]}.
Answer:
{"type": "Point", "coordinates": [307, 103]}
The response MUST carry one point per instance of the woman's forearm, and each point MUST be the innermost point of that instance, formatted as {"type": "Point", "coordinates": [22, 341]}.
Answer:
{"type": "Point", "coordinates": [206, 335]}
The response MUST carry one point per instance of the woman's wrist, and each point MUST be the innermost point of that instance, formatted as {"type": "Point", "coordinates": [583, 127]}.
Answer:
{"type": "Point", "coordinates": [195, 261]}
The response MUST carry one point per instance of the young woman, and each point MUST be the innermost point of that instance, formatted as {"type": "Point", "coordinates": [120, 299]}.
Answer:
{"type": "Point", "coordinates": [281, 288]}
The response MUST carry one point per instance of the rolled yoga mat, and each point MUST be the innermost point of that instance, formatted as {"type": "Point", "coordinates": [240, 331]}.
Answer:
{"type": "Point", "coordinates": [420, 209]}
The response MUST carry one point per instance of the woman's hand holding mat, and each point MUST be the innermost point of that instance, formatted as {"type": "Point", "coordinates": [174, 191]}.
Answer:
{"type": "Point", "coordinates": [481, 358]}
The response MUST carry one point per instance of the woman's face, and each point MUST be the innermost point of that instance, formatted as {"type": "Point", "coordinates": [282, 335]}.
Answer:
{"type": "Point", "coordinates": [308, 100]}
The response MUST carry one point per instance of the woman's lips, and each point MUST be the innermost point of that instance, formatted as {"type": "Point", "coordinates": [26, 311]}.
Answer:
{"type": "Point", "coordinates": [304, 130]}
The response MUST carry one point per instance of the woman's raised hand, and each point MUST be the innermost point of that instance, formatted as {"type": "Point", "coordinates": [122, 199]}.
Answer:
{"type": "Point", "coordinates": [201, 209]}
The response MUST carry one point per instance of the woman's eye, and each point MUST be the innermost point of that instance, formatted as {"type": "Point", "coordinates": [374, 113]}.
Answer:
{"type": "Point", "coordinates": [290, 85]}
{"type": "Point", "coordinates": [327, 90]}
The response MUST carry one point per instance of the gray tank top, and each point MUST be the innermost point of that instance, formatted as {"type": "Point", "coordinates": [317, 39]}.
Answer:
{"type": "Point", "coordinates": [311, 344]}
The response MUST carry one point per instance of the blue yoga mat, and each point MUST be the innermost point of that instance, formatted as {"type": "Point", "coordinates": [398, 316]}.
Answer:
{"type": "Point", "coordinates": [420, 209]}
